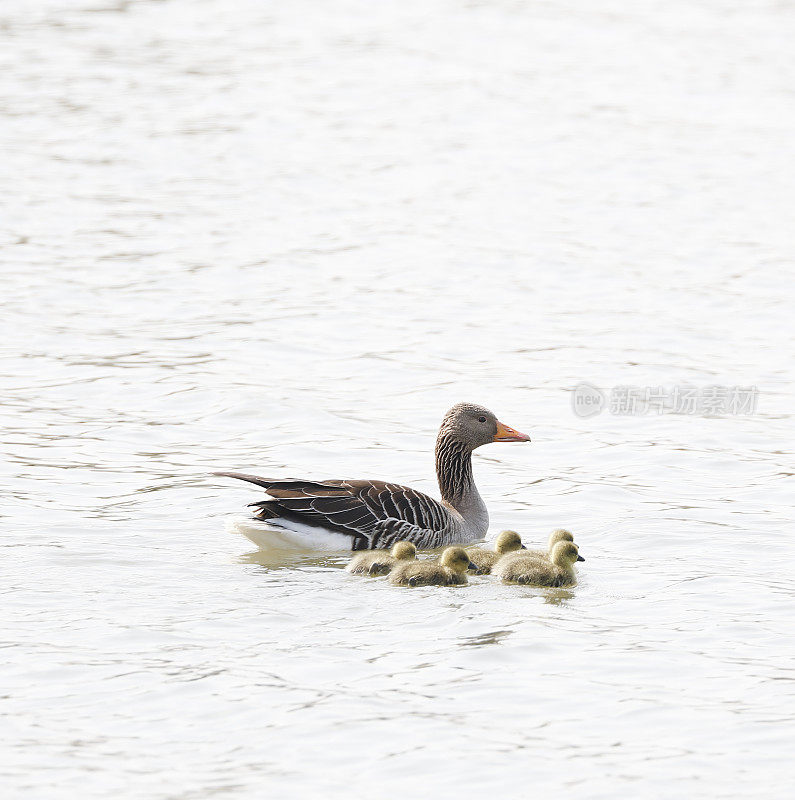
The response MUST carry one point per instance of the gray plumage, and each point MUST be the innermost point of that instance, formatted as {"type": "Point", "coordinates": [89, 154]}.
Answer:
{"type": "Point", "coordinates": [377, 514]}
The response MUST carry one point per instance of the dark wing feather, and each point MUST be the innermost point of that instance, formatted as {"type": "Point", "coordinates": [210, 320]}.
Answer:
{"type": "Point", "coordinates": [374, 513]}
{"type": "Point", "coordinates": [285, 483]}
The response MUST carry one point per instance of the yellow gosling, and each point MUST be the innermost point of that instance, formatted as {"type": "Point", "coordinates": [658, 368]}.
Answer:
{"type": "Point", "coordinates": [380, 562]}
{"type": "Point", "coordinates": [450, 570]}
{"type": "Point", "coordinates": [558, 535]}
{"type": "Point", "coordinates": [484, 560]}
{"type": "Point", "coordinates": [556, 571]}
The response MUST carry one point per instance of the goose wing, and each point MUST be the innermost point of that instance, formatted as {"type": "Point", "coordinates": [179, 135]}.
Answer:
{"type": "Point", "coordinates": [374, 513]}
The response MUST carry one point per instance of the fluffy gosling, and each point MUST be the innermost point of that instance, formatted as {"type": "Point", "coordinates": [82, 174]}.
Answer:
{"type": "Point", "coordinates": [558, 535]}
{"type": "Point", "coordinates": [558, 570]}
{"type": "Point", "coordinates": [450, 570]}
{"type": "Point", "coordinates": [484, 560]}
{"type": "Point", "coordinates": [380, 562]}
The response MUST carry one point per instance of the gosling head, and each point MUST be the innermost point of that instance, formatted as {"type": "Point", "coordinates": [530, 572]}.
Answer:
{"type": "Point", "coordinates": [559, 535]}
{"type": "Point", "coordinates": [507, 542]}
{"type": "Point", "coordinates": [457, 559]}
{"type": "Point", "coordinates": [405, 551]}
{"type": "Point", "coordinates": [564, 554]}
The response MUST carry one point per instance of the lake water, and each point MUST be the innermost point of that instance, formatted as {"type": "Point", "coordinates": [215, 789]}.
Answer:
{"type": "Point", "coordinates": [284, 239]}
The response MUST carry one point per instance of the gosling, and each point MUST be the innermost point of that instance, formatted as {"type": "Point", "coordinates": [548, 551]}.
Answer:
{"type": "Point", "coordinates": [450, 570]}
{"type": "Point", "coordinates": [381, 562]}
{"type": "Point", "coordinates": [558, 535]}
{"type": "Point", "coordinates": [484, 560]}
{"type": "Point", "coordinates": [556, 571]}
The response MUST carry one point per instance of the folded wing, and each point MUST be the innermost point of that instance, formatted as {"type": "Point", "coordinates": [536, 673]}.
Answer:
{"type": "Point", "coordinates": [373, 513]}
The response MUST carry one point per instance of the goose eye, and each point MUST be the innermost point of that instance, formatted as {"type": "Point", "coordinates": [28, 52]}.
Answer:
{"type": "Point", "coordinates": [481, 419]}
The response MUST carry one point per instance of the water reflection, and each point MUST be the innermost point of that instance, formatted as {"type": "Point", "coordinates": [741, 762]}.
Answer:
{"type": "Point", "coordinates": [276, 559]}
{"type": "Point", "coordinates": [549, 596]}
{"type": "Point", "coordinates": [492, 637]}
{"type": "Point", "coordinates": [558, 597]}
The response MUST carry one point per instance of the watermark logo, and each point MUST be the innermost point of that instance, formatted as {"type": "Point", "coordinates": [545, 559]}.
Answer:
{"type": "Point", "coordinates": [587, 400]}
{"type": "Point", "coordinates": [629, 401]}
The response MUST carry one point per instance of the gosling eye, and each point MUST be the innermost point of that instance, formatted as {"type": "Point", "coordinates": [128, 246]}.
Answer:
{"type": "Point", "coordinates": [481, 419]}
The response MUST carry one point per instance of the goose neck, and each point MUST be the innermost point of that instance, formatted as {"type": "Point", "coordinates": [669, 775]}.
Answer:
{"type": "Point", "coordinates": [454, 470]}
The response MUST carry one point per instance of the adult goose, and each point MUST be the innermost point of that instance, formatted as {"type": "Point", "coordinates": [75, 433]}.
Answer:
{"type": "Point", "coordinates": [365, 515]}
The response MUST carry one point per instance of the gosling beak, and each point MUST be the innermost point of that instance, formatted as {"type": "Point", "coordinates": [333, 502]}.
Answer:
{"type": "Point", "coordinates": [580, 558]}
{"type": "Point", "coordinates": [507, 434]}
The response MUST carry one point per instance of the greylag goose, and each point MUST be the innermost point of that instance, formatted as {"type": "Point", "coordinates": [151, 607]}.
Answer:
{"type": "Point", "coordinates": [555, 571]}
{"type": "Point", "coordinates": [450, 570]}
{"type": "Point", "coordinates": [366, 515]}
{"type": "Point", "coordinates": [484, 560]}
{"type": "Point", "coordinates": [380, 562]}
{"type": "Point", "coordinates": [558, 535]}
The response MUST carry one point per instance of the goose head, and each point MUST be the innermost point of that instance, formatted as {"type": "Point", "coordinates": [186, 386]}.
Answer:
{"type": "Point", "coordinates": [507, 542]}
{"type": "Point", "coordinates": [456, 559]}
{"type": "Point", "coordinates": [404, 551]}
{"type": "Point", "coordinates": [474, 426]}
{"type": "Point", "coordinates": [565, 554]}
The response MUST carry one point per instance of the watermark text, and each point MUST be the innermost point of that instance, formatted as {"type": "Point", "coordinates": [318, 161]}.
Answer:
{"type": "Point", "coordinates": [630, 401]}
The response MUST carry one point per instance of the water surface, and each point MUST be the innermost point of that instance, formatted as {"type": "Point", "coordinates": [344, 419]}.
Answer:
{"type": "Point", "coordinates": [284, 238]}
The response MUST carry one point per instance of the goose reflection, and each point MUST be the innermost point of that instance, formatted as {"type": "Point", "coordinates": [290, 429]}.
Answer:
{"type": "Point", "coordinates": [483, 639]}
{"type": "Point", "coordinates": [274, 559]}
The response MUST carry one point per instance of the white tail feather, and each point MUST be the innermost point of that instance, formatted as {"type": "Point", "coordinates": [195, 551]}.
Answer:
{"type": "Point", "coordinates": [288, 536]}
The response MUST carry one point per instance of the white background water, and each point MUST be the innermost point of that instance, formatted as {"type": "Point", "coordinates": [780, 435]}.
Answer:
{"type": "Point", "coordinates": [284, 238]}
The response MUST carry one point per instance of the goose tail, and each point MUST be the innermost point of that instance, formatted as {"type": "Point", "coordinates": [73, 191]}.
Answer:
{"type": "Point", "coordinates": [275, 537]}
{"type": "Point", "coordinates": [265, 483]}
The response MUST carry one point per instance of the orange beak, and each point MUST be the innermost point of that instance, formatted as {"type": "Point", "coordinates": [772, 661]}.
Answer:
{"type": "Point", "coordinates": [508, 434]}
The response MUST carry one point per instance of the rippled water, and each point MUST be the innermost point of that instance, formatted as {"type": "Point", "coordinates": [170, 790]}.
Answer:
{"type": "Point", "coordinates": [284, 238]}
